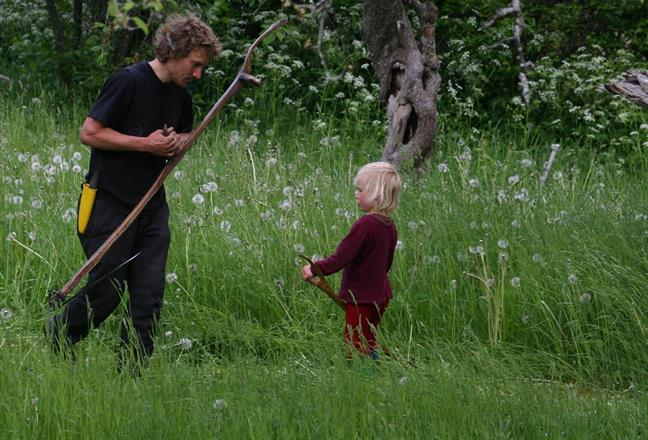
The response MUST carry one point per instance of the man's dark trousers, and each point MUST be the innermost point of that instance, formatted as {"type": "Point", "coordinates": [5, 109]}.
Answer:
{"type": "Point", "coordinates": [149, 235]}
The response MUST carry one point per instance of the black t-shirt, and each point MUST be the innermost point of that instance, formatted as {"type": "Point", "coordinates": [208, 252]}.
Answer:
{"type": "Point", "coordinates": [135, 102]}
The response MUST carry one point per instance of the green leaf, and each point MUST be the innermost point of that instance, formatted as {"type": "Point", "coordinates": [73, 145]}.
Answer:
{"type": "Point", "coordinates": [113, 8]}
{"type": "Point", "coordinates": [141, 24]}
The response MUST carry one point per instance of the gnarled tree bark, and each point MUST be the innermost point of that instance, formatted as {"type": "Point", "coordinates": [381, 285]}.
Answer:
{"type": "Point", "coordinates": [633, 87]}
{"type": "Point", "coordinates": [408, 73]}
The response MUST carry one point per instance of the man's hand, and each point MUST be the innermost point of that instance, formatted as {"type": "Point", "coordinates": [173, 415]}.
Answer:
{"type": "Point", "coordinates": [306, 272]}
{"type": "Point", "coordinates": [165, 146]}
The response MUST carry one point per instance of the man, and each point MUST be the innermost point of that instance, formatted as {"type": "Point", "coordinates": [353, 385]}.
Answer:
{"type": "Point", "coordinates": [141, 118]}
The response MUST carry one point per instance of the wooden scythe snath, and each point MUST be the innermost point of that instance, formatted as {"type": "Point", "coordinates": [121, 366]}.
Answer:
{"type": "Point", "coordinates": [242, 79]}
{"type": "Point", "coordinates": [320, 282]}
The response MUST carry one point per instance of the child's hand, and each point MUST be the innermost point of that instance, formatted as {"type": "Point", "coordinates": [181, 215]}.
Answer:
{"type": "Point", "coordinates": [306, 272]}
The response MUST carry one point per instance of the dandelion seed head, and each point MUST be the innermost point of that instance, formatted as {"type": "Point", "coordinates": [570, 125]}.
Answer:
{"type": "Point", "coordinates": [178, 175]}
{"type": "Point", "coordinates": [399, 245]}
{"type": "Point", "coordinates": [6, 313]}
{"type": "Point", "coordinates": [286, 205]}
{"type": "Point", "coordinates": [209, 187]}
{"type": "Point", "coordinates": [412, 225]}
{"type": "Point", "coordinates": [503, 256]}
{"type": "Point", "coordinates": [476, 250]}
{"type": "Point", "coordinates": [76, 169]}
{"type": "Point", "coordinates": [515, 281]}
{"type": "Point", "coordinates": [11, 236]}
{"type": "Point", "coordinates": [443, 168]}
{"type": "Point", "coordinates": [572, 278]}
{"type": "Point", "coordinates": [77, 156]}
{"type": "Point", "coordinates": [239, 203]}
{"type": "Point", "coordinates": [513, 180]}
{"type": "Point", "coordinates": [168, 333]}
{"type": "Point", "coordinates": [198, 199]}
{"type": "Point", "coordinates": [526, 163]}
{"type": "Point", "coordinates": [473, 183]}
{"type": "Point", "coordinates": [402, 380]}
{"type": "Point", "coordinates": [453, 284]}
{"type": "Point", "coordinates": [185, 343]}
{"type": "Point", "coordinates": [219, 404]}
{"type": "Point", "coordinates": [585, 298]}
{"type": "Point", "coordinates": [502, 243]}
{"type": "Point", "coordinates": [217, 211]}
{"type": "Point", "coordinates": [299, 248]}
{"type": "Point", "coordinates": [171, 277]}
{"type": "Point", "coordinates": [225, 225]}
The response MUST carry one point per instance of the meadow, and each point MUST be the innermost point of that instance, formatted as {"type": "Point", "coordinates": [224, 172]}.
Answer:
{"type": "Point", "coordinates": [519, 312]}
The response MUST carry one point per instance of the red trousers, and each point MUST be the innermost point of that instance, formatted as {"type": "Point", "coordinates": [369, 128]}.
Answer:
{"type": "Point", "coordinates": [361, 320]}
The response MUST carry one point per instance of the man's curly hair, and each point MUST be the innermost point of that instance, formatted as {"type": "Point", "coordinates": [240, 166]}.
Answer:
{"type": "Point", "coordinates": [180, 34]}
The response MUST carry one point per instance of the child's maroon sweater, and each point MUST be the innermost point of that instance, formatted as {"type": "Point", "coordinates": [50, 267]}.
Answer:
{"type": "Point", "coordinates": [366, 255]}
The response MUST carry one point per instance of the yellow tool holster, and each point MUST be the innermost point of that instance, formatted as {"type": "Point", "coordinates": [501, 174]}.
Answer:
{"type": "Point", "coordinates": [85, 207]}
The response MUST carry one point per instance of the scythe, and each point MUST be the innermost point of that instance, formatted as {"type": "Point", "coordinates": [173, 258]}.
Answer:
{"type": "Point", "coordinates": [320, 282]}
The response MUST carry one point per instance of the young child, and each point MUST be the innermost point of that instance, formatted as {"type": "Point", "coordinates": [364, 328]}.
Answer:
{"type": "Point", "coordinates": [365, 256]}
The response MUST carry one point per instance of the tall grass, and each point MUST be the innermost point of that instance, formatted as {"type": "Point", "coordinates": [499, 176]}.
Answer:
{"type": "Point", "coordinates": [513, 299]}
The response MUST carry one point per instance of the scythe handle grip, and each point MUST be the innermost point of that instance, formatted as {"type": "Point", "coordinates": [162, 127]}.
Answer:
{"type": "Point", "coordinates": [320, 282]}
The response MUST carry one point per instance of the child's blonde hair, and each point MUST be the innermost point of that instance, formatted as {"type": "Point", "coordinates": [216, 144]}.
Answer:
{"type": "Point", "coordinates": [382, 185]}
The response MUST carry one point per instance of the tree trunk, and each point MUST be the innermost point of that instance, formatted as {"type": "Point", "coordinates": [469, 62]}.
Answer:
{"type": "Point", "coordinates": [59, 39]}
{"type": "Point", "coordinates": [77, 18]}
{"type": "Point", "coordinates": [408, 73]}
